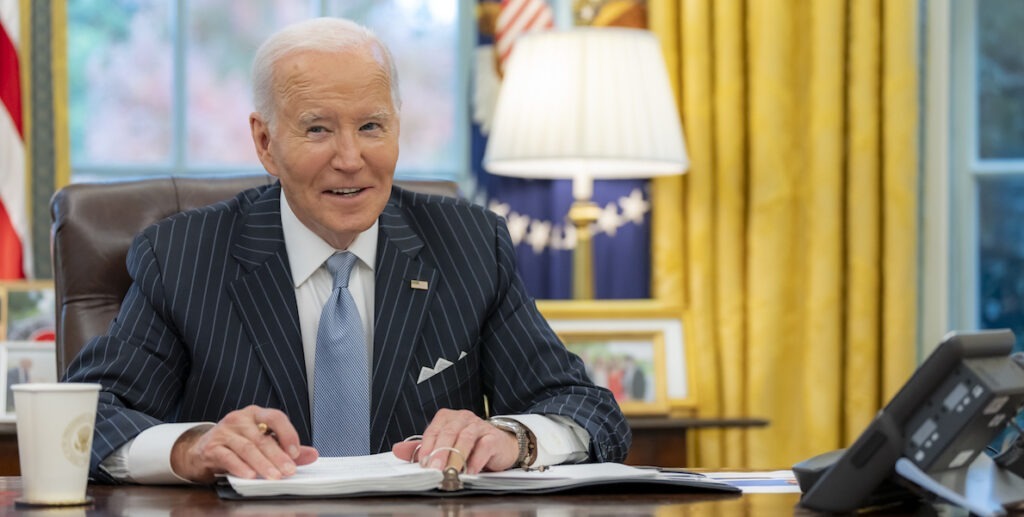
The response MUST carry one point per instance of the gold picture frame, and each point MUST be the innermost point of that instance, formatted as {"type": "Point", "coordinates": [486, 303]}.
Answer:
{"type": "Point", "coordinates": [622, 345]}
{"type": "Point", "coordinates": [27, 310]}
{"type": "Point", "coordinates": [629, 364]}
{"type": "Point", "coordinates": [21, 362]}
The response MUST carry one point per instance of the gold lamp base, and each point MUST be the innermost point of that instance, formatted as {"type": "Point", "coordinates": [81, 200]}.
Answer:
{"type": "Point", "coordinates": [583, 215]}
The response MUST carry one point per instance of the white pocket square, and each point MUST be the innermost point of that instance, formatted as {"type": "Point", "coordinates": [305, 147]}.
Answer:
{"type": "Point", "coordinates": [439, 366]}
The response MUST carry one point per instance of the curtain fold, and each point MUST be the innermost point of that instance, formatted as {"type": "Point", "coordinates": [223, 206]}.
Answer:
{"type": "Point", "coordinates": [800, 215]}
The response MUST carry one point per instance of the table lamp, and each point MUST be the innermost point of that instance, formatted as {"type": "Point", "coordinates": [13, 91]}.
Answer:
{"type": "Point", "coordinates": [585, 104]}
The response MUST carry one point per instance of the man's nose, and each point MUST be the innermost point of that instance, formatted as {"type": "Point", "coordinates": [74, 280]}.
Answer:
{"type": "Point", "coordinates": [348, 153]}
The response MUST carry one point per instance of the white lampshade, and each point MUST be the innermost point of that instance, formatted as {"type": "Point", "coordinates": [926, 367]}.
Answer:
{"type": "Point", "coordinates": [586, 103]}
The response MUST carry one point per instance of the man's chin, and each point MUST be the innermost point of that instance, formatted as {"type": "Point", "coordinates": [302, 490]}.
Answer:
{"type": "Point", "coordinates": [340, 236]}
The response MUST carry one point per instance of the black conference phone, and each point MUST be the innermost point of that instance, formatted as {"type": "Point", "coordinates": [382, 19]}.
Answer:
{"type": "Point", "coordinates": [931, 438]}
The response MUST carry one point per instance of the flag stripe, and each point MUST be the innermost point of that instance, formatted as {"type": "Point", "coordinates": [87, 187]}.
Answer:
{"type": "Point", "coordinates": [10, 259]}
{"type": "Point", "coordinates": [510, 12]}
{"type": "Point", "coordinates": [13, 215]}
{"type": "Point", "coordinates": [514, 20]}
{"type": "Point", "coordinates": [540, 19]}
{"type": "Point", "coordinates": [10, 86]}
{"type": "Point", "coordinates": [517, 17]}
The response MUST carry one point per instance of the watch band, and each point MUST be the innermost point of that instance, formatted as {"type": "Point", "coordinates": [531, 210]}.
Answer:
{"type": "Point", "coordinates": [524, 437]}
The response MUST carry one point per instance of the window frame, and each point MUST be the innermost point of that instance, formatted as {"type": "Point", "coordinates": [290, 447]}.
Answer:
{"type": "Point", "coordinates": [178, 163]}
{"type": "Point", "coordinates": [952, 168]}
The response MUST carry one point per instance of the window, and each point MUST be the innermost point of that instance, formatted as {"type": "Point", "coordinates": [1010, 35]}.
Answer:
{"type": "Point", "coordinates": [984, 171]}
{"type": "Point", "coordinates": [162, 87]}
{"type": "Point", "coordinates": [997, 163]}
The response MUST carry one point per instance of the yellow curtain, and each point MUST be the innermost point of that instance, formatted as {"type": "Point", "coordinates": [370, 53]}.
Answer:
{"type": "Point", "coordinates": [799, 220]}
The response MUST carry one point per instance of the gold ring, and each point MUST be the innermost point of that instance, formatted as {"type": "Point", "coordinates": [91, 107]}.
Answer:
{"type": "Point", "coordinates": [264, 429]}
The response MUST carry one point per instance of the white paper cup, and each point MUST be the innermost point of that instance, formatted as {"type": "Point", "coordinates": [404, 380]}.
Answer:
{"type": "Point", "coordinates": [55, 427]}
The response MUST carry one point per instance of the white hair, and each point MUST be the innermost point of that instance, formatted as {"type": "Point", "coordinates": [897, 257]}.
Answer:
{"type": "Point", "coordinates": [316, 34]}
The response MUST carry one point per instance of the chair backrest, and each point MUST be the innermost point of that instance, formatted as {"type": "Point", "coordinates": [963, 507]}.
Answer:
{"type": "Point", "coordinates": [93, 227]}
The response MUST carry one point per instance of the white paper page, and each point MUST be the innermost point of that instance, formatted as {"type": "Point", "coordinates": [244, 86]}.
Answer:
{"type": "Point", "coordinates": [555, 476]}
{"type": "Point", "coordinates": [374, 473]}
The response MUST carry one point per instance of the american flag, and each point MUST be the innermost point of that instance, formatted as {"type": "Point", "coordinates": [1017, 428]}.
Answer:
{"type": "Point", "coordinates": [13, 211]}
{"type": "Point", "coordinates": [516, 18]}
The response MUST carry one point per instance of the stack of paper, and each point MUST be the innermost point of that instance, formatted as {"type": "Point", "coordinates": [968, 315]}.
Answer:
{"type": "Point", "coordinates": [375, 473]}
{"type": "Point", "coordinates": [385, 474]}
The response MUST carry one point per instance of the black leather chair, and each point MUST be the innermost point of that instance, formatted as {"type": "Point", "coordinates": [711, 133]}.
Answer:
{"type": "Point", "coordinates": [93, 226]}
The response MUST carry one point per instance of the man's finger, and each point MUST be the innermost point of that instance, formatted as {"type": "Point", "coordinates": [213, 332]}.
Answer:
{"type": "Point", "coordinates": [467, 442]}
{"type": "Point", "coordinates": [307, 455]}
{"type": "Point", "coordinates": [271, 450]}
{"type": "Point", "coordinates": [438, 454]}
{"type": "Point", "coordinates": [407, 450]}
{"type": "Point", "coordinates": [275, 423]}
{"type": "Point", "coordinates": [231, 463]}
{"type": "Point", "coordinates": [254, 456]}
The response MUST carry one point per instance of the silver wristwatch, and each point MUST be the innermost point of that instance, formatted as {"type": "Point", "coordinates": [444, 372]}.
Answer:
{"type": "Point", "coordinates": [524, 437]}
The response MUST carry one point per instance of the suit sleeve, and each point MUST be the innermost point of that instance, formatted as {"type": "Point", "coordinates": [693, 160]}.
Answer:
{"type": "Point", "coordinates": [533, 372]}
{"type": "Point", "coordinates": [140, 362]}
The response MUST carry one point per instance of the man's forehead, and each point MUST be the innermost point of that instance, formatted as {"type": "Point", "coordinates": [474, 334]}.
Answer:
{"type": "Point", "coordinates": [308, 70]}
{"type": "Point", "coordinates": [300, 60]}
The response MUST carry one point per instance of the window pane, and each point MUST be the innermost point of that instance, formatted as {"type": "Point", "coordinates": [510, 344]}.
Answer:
{"type": "Point", "coordinates": [423, 37]}
{"type": "Point", "coordinates": [119, 74]}
{"type": "Point", "coordinates": [1000, 79]}
{"type": "Point", "coordinates": [1001, 253]}
{"type": "Point", "coordinates": [222, 39]}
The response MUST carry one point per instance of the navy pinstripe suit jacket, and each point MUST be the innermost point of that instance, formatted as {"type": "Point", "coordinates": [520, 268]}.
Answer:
{"type": "Point", "coordinates": [210, 325]}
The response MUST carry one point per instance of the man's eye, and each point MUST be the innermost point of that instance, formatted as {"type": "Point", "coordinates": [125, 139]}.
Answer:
{"type": "Point", "coordinates": [370, 126]}
{"type": "Point", "coordinates": [317, 129]}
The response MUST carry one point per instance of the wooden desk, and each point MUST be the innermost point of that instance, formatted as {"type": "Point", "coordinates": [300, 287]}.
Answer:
{"type": "Point", "coordinates": [662, 441]}
{"type": "Point", "coordinates": [9, 450]}
{"type": "Point", "coordinates": [131, 500]}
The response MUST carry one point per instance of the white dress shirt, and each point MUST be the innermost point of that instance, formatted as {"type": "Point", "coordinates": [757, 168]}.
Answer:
{"type": "Point", "coordinates": [146, 458]}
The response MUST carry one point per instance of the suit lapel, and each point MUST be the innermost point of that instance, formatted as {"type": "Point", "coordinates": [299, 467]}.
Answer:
{"type": "Point", "coordinates": [399, 310]}
{"type": "Point", "coordinates": [264, 288]}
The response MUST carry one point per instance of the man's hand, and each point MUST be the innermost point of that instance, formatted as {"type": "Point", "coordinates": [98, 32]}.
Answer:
{"type": "Point", "coordinates": [237, 446]}
{"type": "Point", "coordinates": [483, 446]}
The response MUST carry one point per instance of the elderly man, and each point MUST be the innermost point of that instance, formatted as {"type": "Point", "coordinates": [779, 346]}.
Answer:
{"type": "Point", "coordinates": [332, 313]}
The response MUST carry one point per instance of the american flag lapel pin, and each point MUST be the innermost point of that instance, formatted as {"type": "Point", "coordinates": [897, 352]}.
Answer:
{"type": "Point", "coordinates": [418, 284]}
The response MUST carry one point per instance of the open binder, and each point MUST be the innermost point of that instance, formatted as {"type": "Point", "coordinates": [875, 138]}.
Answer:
{"type": "Point", "coordinates": [384, 474]}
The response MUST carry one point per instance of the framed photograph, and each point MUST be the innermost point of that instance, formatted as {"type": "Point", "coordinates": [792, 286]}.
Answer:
{"type": "Point", "coordinates": [630, 364]}
{"type": "Point", "coordinates": [26, 361]}
{"type": "Point", "coordinates": [27, 311]}
{"type": "Point", "coordinates": [642, 361]}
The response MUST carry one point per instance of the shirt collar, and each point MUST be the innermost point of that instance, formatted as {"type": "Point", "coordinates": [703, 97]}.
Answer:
{"type": "Point", "coordinates": [307, 251]}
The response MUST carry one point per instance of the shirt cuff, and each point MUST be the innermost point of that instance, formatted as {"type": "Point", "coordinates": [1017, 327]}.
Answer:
{"type": "Point", "coordinates": [149, 455]}
{"type": "Point", "coordinates": [559, 439]}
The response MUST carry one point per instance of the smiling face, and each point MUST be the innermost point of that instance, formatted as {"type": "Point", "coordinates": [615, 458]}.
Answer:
{"type": "Point", "coordinates": [333, 142]}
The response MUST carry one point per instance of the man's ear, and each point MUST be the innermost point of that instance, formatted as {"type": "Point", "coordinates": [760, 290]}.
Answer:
{"type": "Point", "coordinates": [261, 139]}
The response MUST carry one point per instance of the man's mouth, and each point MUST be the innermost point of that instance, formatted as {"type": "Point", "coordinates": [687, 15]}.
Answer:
{"type": "Point", "coordinates": [345, 191]}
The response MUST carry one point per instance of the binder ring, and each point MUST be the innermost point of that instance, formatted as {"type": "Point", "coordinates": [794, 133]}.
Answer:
{"type": "Point", "coordinates": [415, 458]}
{"type": "Point", "coordinates": [462, 469]}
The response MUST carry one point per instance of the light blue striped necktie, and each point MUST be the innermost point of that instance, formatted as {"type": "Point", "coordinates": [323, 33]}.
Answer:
{"type": "Point", "coordinates": [341, 373]}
